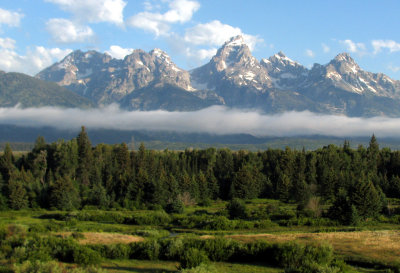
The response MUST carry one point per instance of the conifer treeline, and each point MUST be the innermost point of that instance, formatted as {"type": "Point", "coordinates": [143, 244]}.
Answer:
{"type": "Point", "coordinates": [73, 174]}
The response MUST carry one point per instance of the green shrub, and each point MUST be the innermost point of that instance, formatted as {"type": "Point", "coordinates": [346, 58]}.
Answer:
{"type": "Point", "coordinates": [241, 224]}
{"type": "Point", "coordinates": [299, 258]}
{"type": "Point", "coordinates": [264, 224]}
{"type": "Point", "coordinates": [282, 214]}
{"type": "Point", "coordinates": [176, 206]}
{"type": "Point", "coordinates": [148, 250]}
{"type": "Point", "coordinates": [101, 216]}
{"type": "Point", "coordinates": [39, 267]}
{"type": "Point", "coordinates": [193, 257]}
{"type": "Point", "coordinates": [219, 249]}
{"type": "Point", "coordinates": [117, 251]}
{"type": "Point", "coordinates": [154, 233]}
{"type": "Point", "coordinates": [237, 209]}
{"type": "Point", "coordinates": [218, 223]}
{"type": "Point", "coordinates": [174, 249]}
{"type": "Point", "coordinates": [153, 218]}
{"type": "Point", "coordinates": [85, 256]}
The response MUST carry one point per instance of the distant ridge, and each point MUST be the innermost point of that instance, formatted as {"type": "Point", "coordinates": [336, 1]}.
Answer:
{"type": "Point", "coordinates": [233, 77]}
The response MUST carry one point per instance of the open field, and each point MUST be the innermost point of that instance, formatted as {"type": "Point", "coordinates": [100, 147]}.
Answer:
{"type": "Point", "coordinates": [104, 238]}
{"type": "Point", "coordinates": [374, 245]}
{"type": "Point", "coordinates": [377, 243]}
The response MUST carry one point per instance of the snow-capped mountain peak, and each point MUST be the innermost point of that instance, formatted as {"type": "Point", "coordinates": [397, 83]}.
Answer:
{"type": "Point", "coordinates": [281, 58]}
{"type": "Point", "coordinates": [233, 77]}
{"type": "Point", "coordinates": [235, 41]}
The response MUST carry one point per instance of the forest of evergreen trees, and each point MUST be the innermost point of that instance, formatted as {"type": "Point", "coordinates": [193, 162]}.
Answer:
{"type": "Point", "coordinates": [68, 175]}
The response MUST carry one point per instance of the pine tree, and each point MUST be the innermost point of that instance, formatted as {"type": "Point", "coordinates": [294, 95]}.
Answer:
{"type": "Point", "coordinates": [203, 187]}
{"type": "Point", "coordinates": [7, 163]}
{"type": "Point", "coordinates": [366, 198]}
{"type": "Point", "coordinates": [64, 195]}
{"type": "Point", "coordinates": [17, 195]}
{"type": "Point", "coordinates": [85, 158]}
{"type": "Point", "coordinates": [98, 196]}
{"type": "Point", "coordinates": [247, 182]}
{"type": "Point", "coordinates": [39, 166]}
{"type": "Point", "coordinates": [283, 187]}
{"type": "Point", "coordinates": [224, 170]}
{"type": "Point", "coordinates": [373, 155]}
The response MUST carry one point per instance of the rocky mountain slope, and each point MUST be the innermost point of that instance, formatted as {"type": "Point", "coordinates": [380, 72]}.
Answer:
{"type": "Point", "coordinates": [233, 77]}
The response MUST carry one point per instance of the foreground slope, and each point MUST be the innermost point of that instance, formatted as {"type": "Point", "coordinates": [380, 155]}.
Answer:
{"type": "Point", "coordinates": [17, 88]}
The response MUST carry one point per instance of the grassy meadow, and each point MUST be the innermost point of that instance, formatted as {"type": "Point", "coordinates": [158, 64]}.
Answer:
{"type": "Point", "coordinates": [369, 247]}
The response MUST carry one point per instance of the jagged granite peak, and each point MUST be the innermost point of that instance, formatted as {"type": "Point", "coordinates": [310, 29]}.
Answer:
{"type": "Point", "coordinates": [345, 64]}
{"type": "Point", "coordinates": [74, 67]}
{"type": "Point", "coordinates": [233, 77]}
{"type": "Point", "coordinates": [235, 41]}
{"type": "Point", "coordinates": [284, 72]}
{"type": "Point", "coordinates": [232, 65]}
{"type": "Point", "coordinates": [235, 52]}
{"type": "Point", "coordinates": [280, 59]}
{"type": "Point", "coordinates": [345, 74]}
{"type": "Point", "coordinates": [105, 79]}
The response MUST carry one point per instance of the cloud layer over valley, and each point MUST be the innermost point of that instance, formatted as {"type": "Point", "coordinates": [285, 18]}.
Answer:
{"type": "Point", "coordinates": [215, 120]}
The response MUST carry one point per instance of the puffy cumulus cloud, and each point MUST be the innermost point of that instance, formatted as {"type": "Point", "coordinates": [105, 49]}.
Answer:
{"type": "Point", "coordinates": [202, 41]}
{"type": "Point", "coordinates": [353, 47]}
{"type": "Point", "coordinates": [42, 57]}
{"type": "Point", "coordinates": [378, 45]}
{"type": "Point", "coordinates": [215, 120]}
{"type": "Point", "coordinates": [7, 43]}
{"type": "Point", "coordinates": [394, 68]}
{"type": "Point", "coordinates": [310, 53]}
{"type": "Point", "coordinates": [10, 18]}
{"type": "Point", "coordinates": [66, 31]}
{"type": "Point", "coordinates": [94, 11]}
{"type": "Point", "coordinates": [118, 52]}
{"type": "Point", "coordinates": [215, 33]}
{"type": "Point", "coordinates": [199, 55]}
{"type": "Point", "coordinates": [325, 48]}
{"type": "Point", "coordinates": [35, 59]}
{"type": "Point", "coordinates": [180, 11]}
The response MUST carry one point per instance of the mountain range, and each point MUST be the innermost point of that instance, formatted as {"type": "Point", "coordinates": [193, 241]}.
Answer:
{"type": "Point", "coordinates": [233, 77]}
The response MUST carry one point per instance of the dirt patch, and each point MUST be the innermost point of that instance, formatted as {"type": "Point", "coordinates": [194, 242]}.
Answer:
{"type": "Point", "coordinates": [105, 238]}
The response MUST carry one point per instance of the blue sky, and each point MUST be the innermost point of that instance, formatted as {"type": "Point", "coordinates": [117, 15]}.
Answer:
{"type": "Point", "coordinates": [36, 33]}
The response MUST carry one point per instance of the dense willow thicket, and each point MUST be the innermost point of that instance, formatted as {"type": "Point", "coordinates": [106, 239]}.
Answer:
{"type": "Point", "coordinates": [72, 174]}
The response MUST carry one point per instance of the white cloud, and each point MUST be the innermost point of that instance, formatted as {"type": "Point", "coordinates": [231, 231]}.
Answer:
{"type": "Point", "coordinates": [94, 11]}
{"type": "Point", "coordinates": [66, 31]}
{"type": "Point", "coordinates": [378, 45]}
{"type": "Point", "coordinates": [202, 41]}
{"type": "Point", "coordinates": [206, 53]}
{"type": "Point", "coordinates": [216, 33]}
{"type": "Point", "coordinates": [353, 47]}
{"type": "Point", "coordinates": [215, 120]}
{"type": "Point", "coordinates": [200, 54]}
{"type": "Point", "coordinates": [35, 59]}
{"type": "Point", "coordinates": [118, 52]}
{"type": "Point", "coordinates": [180, 11]}
{"type": "Point", "coordinates": [310, 53]}
{"type": "Point", "coordinates": [10, 18]}
{"type": "Point", "coordinates": [325, 48]}
{"type": "Point", "coordinates": [7, 43]}
{"type": "Point", "coordinates": [394, 68]}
